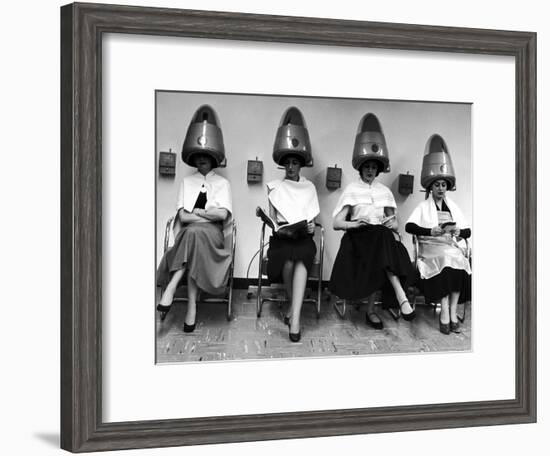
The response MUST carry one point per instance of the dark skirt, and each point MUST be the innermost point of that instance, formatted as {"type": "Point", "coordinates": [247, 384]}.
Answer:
{"type": "Point", "coordinates": [282, 250]}
{"type": "Point", "coordinates": [364, 257]}
{"type": "Point", "coordinates": [445, 282]}
{"type": "Point", "coordinates": [200, 249]}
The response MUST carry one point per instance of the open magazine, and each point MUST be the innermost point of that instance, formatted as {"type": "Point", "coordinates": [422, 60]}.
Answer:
{"type": "Point", "coordinates": [447, 226]}
{"type": "Point", "coordinates": [289, 230]}
{"type": "Point", "coordinates": [445, 220]}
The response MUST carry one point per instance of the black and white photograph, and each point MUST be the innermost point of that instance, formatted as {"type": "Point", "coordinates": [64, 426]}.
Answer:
{"type": "Point", "coordinates": [275, 228]}
{"type": "Point", "coordinates": [291, 227]}
{"type": "Point", "coordinates": [306, 228]}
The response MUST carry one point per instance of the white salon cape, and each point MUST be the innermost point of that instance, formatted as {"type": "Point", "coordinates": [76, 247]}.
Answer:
{"type": "Point", "coordinates": [438, 252]}
{"type": "Point", "coordinates": [366, 200]}
{"type": "Point", "coordinates": [218, 195]}
{"type": "Point", "coordinates": [293, 200]}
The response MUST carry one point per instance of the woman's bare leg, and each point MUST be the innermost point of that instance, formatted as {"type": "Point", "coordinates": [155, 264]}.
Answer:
{"type": "Point", "coordinates": [168, 295]}
{"type": "Point", "coordinates": [192, 291]}
{"type": "Point", "coordinates": [453, 305]}
{"type": "Point", "coordinates": [400, 294]}
{"type": "Point", "coordinates": [299, 280]}
{"type": "Point", "coordinates": [288, 274]}
{"type": "Point", "coordinates": [371, 313]}
{"type": "Point", "coordinates": [444, 315]}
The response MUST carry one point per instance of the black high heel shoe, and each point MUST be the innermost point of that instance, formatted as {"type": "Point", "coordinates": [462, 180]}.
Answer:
{"type": "Point", "coordinates": [163, 311]}
{"type": "Point", "coordinates": [410, 316]}
{"type": "Point", "coordinates": [294, 337]}
{"type": "Point", "coordinates": [188, 328]}
{"type": "Point", "coordinates": [454, 326]}
{"type": "Point", "coordinates": [374, 324]}
{"type": "Point", "coordinates": [444, 328]}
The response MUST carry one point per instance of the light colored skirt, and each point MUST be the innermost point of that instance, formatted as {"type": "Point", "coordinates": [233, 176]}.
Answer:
{"type": "Point", "coordinates": [438, 253]}
{"type": "Point", "coordinates": [199, 249]}
{"type": "Point", "coordinates": [443, 269]}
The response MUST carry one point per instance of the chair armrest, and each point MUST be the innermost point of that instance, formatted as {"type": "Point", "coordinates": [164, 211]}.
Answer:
{"type": "Point", "coordinates": [415, 248]}
{"type": "Point", "coordinates": [468, 252]}
{"type": "Point", "coordinates": [233, 238]}
{"type": "Point", "coordinates": [397, 236]}
{"type": "Point", "coordinates": [167, 231]}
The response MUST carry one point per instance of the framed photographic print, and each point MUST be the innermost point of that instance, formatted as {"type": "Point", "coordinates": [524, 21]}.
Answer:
{"type": "Point", "coordinates": [259, 304]}
{"type": "Point", "coordinates": [207, 157]}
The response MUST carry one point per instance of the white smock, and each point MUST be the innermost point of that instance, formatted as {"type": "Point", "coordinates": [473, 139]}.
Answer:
{"type": "Point", "coordinates": [438, 252]}
{"type": "Point", "coordinates": [294, 201]}
{"type": "Point", "coordinates": [365, 200]}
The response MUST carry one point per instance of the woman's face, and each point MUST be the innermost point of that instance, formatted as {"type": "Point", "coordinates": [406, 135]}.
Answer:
{"type": "Point", "coordinates": [369, 171]}
{"type": "Point", "coordinates": [292, 168]}
{"type": "Point", "coordinates": [203, 163]}
{"type": "Point", "coordinates": [439, 188]}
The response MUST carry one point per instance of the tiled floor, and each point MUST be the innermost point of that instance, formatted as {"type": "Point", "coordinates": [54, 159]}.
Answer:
{"type": "Point", "coordinates": [249, 337]}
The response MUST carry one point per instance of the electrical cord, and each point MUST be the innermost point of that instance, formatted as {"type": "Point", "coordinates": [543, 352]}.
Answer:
{"type": "Point", "coordinates": [252, 259]}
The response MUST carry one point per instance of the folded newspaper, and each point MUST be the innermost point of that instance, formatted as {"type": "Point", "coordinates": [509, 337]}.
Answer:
{"type": "Point", "coordinates": [288, 230]}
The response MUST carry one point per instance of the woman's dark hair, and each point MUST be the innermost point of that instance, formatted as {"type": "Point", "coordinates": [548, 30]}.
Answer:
{"type": "Point", "coordinates": [296, 156]}
{"type": "Point", "coordinates": [379, 166]}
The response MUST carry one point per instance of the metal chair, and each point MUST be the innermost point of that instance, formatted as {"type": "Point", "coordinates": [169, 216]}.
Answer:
{"type": "Point", "coordinates": [316, 273]}
{"type": "Point", "coordinates": [464, 246]}
{"type": "Point", "coordinates": [170, 232]}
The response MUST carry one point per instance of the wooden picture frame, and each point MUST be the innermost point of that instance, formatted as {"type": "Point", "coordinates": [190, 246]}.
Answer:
{"type": "Point", "coordinates": [82, 28]}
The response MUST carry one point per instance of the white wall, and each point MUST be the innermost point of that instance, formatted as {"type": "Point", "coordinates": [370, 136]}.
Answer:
{"type": "Point", "coordinates": [249, 124]}
{"type": "Point", "coordinates": [29, 176]}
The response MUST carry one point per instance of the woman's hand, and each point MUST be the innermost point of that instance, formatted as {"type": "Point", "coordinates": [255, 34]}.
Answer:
{"type": "Point", "coordinates": [392, 224]}
{"type": "Point", "coordinates": [455, 231]}
{"type": "Point", "coordinates": [213, 214]}
{"type": "Point", "coordinates": [437, 231]}
{"type": "Point", "coordinates": [190, 217]}
{"type": "Point", "coordinates": [356, 224]}
{"type": "Point", "coordinates": [310, 227]}
{"type": "Point", "coordinates": [198, 216]}
{"type": "Point", "coordinates": [361, 221]}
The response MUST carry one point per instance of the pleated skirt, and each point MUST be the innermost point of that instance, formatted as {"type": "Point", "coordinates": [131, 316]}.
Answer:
{"type": "Point", "coordinates": [199, 249]}
{"type": "Point", "coordinates": [363, 259]}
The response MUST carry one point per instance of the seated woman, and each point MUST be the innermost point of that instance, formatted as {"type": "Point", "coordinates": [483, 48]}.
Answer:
{"type": "Point", "coordinates": [203, 207]}
{"type": "Point", "coordinates": [369, 258]}
{"type": "Point", "coordinates": [292, 199]}
{"type": "Point", "coordinates": [445, 273]}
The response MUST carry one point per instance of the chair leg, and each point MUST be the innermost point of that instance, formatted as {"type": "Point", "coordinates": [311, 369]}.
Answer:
{"type": "Point", "coordinates": [395, 314]}
{"type": "Point", "coordinates": [230, 300]}
{"type": "Point", "coordinates": [340, 307]}
{"type": "Point", "coordinates": [319, 297]}
{"type": "Point", "coordinates": [259, 299]}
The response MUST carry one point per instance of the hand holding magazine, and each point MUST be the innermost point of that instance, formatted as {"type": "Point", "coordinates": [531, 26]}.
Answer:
{"type": "Point", "coordinates": [289, 230]}
{"type": "Point", "coordinates": [388, 220]}
{"type": "Point", "coordinates": [447, 227]}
